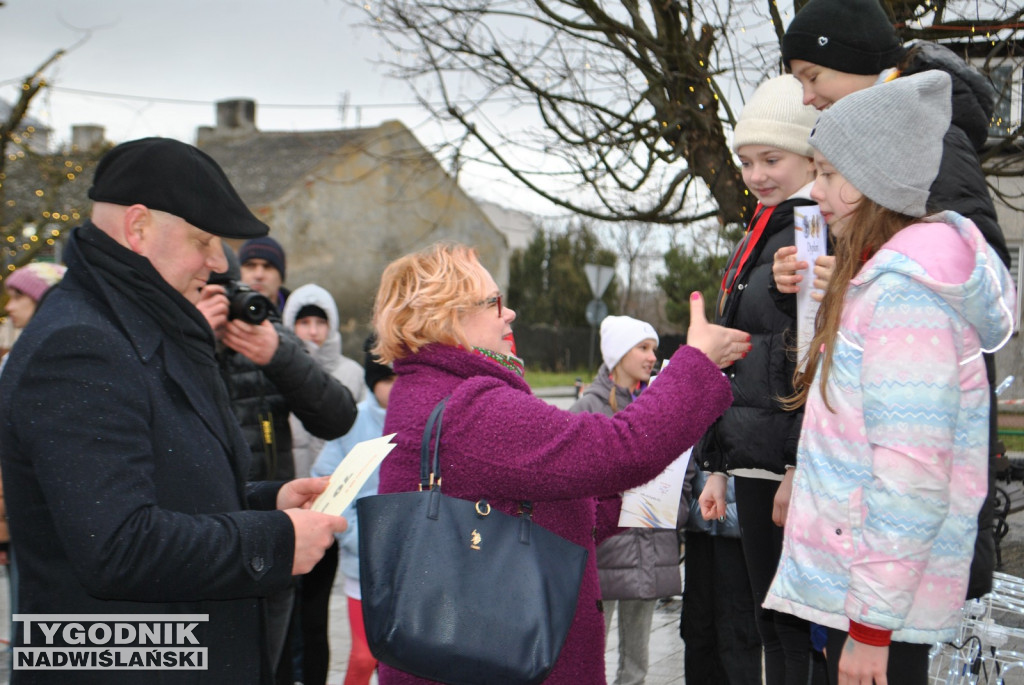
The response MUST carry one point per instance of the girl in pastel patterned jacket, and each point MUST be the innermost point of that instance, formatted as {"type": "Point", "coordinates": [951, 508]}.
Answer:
{"type": "Point", "coordinates": [892, 461]}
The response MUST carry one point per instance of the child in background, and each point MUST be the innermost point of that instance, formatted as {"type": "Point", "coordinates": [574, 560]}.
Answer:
{"type": "Point", "coordinates": [312, 314]}
{"type": "Point", "coordinates": [639, 565]}
{"type": "Point", "coordinates": [26, 288]}
{"type": "Point", "coordinates": [369, 424]}
{"type": "Point", "coordinates": [755, 439]}
{"type": "Point", "coordinates": [894, 448]}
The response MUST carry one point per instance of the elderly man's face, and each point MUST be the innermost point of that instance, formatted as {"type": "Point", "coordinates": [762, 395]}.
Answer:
{"type": "Point", "coordinates": [183, 254]}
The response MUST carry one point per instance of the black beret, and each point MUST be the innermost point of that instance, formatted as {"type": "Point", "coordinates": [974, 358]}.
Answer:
{"type": "Point", "coordinates": [177, 178]}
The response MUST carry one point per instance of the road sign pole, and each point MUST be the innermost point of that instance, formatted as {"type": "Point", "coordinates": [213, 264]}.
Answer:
{"type": "Point", "coordinates": [590, 357]}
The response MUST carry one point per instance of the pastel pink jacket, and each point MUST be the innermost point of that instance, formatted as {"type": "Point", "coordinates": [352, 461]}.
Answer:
{"type": "Point", "coordinates": [883, 516]}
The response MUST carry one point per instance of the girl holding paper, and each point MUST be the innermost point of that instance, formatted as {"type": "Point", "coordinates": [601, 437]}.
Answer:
{"type": "Point", "coordinates": [755, 440]}
{"type": "Point", "coordinates": [894, 448]}
{"type": "Point", "coordinates": [639, 565]}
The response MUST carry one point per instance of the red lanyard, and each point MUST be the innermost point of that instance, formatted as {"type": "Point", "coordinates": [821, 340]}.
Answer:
{"type": "Point", "coordinates": [754, 232]}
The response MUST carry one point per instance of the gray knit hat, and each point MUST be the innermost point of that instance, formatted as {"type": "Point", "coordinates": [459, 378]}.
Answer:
{"type": "Point", "coordinates": [776, 116]}
{"type": "Point", "coordinates": [886, 140]}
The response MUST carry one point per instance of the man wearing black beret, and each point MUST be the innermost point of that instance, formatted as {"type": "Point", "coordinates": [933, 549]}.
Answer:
{"type": "Point", "coordinates": [123, 466]}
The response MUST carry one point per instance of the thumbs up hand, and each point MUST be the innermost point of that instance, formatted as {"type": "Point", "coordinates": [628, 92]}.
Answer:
{"type": "Point", "coordinates": [722, 345]}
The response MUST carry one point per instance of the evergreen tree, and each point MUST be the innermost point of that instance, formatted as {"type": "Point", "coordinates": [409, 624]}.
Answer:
{"type": "Point", "coordinates": [547, 281]}
{"type": "Point", "coordinates": [698, 266]}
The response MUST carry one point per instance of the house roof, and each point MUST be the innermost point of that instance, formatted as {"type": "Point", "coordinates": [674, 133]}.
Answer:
{"type": "Point", "coordinates": [263, 165]}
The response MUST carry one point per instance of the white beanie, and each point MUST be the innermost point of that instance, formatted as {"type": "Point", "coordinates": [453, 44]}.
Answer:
{"type": "Point", "coordinates": [886, 140]}
{"type": "Point", "coordinates": [620, 334]}
{"type": "Point", "coordinates": [776, 116]}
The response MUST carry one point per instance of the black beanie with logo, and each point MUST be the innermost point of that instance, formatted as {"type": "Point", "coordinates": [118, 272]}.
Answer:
{"type": "Point", "coordinates": [851, 36]}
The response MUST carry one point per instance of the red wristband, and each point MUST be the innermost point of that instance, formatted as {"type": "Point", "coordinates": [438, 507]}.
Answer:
{"type": "Point", "coordinates": [876, 637]}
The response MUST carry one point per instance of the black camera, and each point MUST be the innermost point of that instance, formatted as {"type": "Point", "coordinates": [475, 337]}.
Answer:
{"type": "Point", "coordinates": [245, 303]}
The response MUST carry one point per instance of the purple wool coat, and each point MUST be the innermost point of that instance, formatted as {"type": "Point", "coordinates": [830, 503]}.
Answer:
{"type": "Point", "coordinates": [500, 442]}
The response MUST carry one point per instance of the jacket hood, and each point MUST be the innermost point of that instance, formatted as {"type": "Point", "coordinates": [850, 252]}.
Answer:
{"type": "Point", "coordinates": [952, 259]}
{"type": "Point", "coordinates": [314, 295]}
{"type": "Point", "coordinates": [973, 96]}
{"type": "Point", "coordinates": [326, 355]}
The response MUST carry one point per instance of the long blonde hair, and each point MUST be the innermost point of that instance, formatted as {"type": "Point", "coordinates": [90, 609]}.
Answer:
{"type": "Point", "coordinates": [868, 227]}
{"type": "Point", "coordinates": [421, 298]}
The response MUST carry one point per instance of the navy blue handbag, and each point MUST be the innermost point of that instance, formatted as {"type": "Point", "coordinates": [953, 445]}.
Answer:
{"type": "Point", "coordinates": [460, 593]}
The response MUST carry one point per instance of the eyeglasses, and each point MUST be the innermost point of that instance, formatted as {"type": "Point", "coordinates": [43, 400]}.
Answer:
{"type": "Point", "coordinates": [491, 302]}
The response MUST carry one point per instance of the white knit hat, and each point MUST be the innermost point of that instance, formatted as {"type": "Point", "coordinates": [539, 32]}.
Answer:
{"type": "Point", "coordinates": [620, 334]}
{"type": "Point", "coordinates": [776, 116]}
{"type": "Point", "coordinates": [886, 140]}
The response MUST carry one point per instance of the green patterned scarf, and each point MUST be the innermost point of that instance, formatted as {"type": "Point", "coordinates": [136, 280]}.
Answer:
{"type": "Point", "coordinates": [509, 361]}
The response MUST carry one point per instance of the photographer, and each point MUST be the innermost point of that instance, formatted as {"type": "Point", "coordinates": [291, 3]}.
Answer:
{"type": "Point", "coordinates": [269, 374]}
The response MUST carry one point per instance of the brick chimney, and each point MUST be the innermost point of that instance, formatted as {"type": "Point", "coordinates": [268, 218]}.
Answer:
{"type": "Point", "coordinates": [236, 116]}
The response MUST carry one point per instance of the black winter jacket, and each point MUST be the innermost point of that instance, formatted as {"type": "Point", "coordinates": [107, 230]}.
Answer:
{"type": "Point", "coordinates": [262, 398]}
{"type": "Point", "coordinates": [961, 187]}
{"type": "Point", "coordinates": [756, 432]}
{"type": "Point", "coordinates": [960, 184]}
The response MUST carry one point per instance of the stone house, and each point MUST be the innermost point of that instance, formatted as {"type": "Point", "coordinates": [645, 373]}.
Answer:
{"type": "Point", "coordinates": [345, 203]}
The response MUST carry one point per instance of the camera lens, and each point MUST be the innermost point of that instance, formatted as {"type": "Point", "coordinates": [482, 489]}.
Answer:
{"type": "Point", "coordinates": [248, 305]}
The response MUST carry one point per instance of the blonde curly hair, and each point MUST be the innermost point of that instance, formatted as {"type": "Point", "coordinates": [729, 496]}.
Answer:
{"type": "Point", "coordinates": [421, 298]}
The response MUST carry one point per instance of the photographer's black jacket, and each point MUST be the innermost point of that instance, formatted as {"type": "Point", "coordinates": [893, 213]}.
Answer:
{"type": "Point", "coordinates": [291, 382]}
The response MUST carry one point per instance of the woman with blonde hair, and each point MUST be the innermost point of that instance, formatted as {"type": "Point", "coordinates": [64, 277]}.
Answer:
{"type": "Point", "coordinates": [442, 322]}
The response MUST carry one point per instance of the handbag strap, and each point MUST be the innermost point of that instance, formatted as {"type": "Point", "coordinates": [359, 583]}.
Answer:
{"type": "Point", "coordinates": [430, 474]}
{"type": "Point", "coordinates": [430, 469]}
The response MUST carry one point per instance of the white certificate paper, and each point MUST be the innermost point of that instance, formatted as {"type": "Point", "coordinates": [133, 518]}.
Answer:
{"type": "Point", "coordinates": [655, 504]}
{"type": "Point", "coordinates": [352, 472]}
{"type": "Point", "coordinates": [811, 239]}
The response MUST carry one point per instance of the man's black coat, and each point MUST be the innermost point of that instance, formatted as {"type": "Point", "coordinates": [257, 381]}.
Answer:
{"type": "Point", "coordinates": [125, 488]}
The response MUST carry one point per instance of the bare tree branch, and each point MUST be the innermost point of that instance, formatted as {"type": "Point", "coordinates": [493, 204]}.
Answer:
{"type": "Point", "coordinates": [629, 100]}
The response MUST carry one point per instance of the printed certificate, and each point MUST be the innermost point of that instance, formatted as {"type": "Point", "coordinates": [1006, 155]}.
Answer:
{"type": "Point", "coordinates": [655, 504]}
{"type": "Point", "coordinates": [352, 472]}
{"type": "Point", "coordinates": [811, 239]}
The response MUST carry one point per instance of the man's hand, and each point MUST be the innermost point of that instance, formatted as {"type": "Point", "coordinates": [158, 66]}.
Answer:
{"type": "Point", "coordinates": [712, 497]}
{"type": "Point", "coordinates": [300, 493]}
{"type": "Point", "coordinates": [780, 508]}
{"type": "Point", "coordinates": [256, 342]}
{"type": "Point", "coordinates": [213, 305]}
{"type": "Point", "coordinates": [314, 533]}
{"type": "Point", "coordinates": [861, 664]}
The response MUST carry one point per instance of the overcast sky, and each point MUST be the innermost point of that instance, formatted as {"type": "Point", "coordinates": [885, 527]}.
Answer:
{"type": "Point", "coordinates": [156, 67]}
{"type": "Point", "coordinates": [300, 53]}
